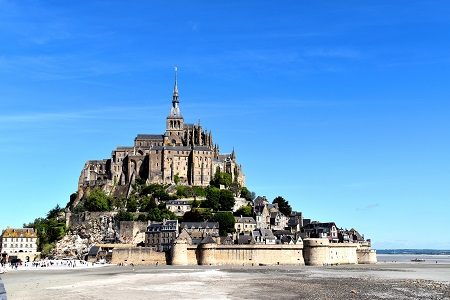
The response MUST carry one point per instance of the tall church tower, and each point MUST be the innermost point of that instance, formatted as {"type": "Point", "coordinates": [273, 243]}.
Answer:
{"type": "Point", "coordinates": [175, 121]}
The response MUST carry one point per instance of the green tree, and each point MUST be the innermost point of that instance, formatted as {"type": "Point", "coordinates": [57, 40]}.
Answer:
{"type": "Point", "coordinates": [195, 204]}
{"type": "Point", "coordinates": [197, 215]}
{"type": "Point", "coordinates": [245, 211]}
{"type": "Point", "coordinates": [212, 198]}
{"type": "Point", "coordinates": [54, 212]}
{"type": "Point", "coordinates": [157, 214]}
{"type": "Point", "coordinates": [132, 204]}
{"type": "Point", "coordinates": [226, 200]}
{"type": "Point", "coordinates": [199, 191]}
{"type": "Point", "coordinates": [245, 193]}
{"type": "Point", "coordinates": [124, 216]}
{"type": "Point", "coordinates": [49, 230]}
{"type": "Point", "coordinates": [176, 179]}
{"type": "Point", "coordinates": [221, 178]}
{"type": "Point", "coordinates": [97, 200]}
{"type": "Point", "coordinates": [184, 191]}
{"type": "Point", "coordinates": [226, 222]}
{"type": "Point", "coordinates": [149, 205]}
{"type": "Point", "coordinates": [283, 205]}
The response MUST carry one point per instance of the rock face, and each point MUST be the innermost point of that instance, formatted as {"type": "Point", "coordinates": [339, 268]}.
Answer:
{"type": "Point", "coordinates": [85, 230]}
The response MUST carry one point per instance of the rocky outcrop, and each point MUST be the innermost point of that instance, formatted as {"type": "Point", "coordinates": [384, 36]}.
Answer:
{"type": "Point", "coordinates": [85, 230]}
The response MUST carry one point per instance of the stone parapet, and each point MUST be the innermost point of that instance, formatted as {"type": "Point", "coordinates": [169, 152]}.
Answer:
{"type": "Point", "coordinates": [320, 252]}
{"type": "Point", "coordinates": [366, 256]}
{"type": "Point", "coordinates": [138, 256]}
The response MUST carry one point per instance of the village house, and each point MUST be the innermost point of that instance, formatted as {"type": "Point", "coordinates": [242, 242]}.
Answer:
{"type": "Point", "coordinates": [327, 230]}
{"type": "Point", "coordinates": [295, 222]}
{"type": "Point", "coordinates": [199, 230]}
{"type": "Point", "coordinates": [160, 235]}
{"type": "Point", "coordinates": [278, 221]}
{"type": "Point", "coordinates": [19, 243]}
{"type": "Point", "coordinates": [178, 207]}
{"type": "Point", "coordinates": [261, 212]}
{"type": "Point", "coordinates": [264, 236]}
{"type": "Point", "coordinates": [244, 225]}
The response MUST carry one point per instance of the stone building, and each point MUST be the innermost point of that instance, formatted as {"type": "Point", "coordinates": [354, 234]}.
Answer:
{"type": "Point", "coordinates": [327, 230]}
{"type": "Point", "coordinates": [200, 230]}
{"type": "Point", "coordinates": [244, 225]}
{"type": "Point", "coordinates": [261, 212]}
{"type": "Point", "coordinates": [19, 243]}
{"type": "Point", "coordinates": [185, 153]}
{"type": "Point", "coordinates": [160, 235]}
{"type": "Point", "coordinates": [178, 207]}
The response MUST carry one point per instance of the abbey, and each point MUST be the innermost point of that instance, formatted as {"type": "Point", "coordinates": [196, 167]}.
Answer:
{"type": "Point", "coordinates": [184, 154]}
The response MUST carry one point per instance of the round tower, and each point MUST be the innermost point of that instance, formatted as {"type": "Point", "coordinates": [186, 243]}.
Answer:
{"type": "Point", "coordinates": [208, 254]}
{"type": "Point", "coordinates": [179, 253]}
{"type": "Point", "coordinates": [316, 252]}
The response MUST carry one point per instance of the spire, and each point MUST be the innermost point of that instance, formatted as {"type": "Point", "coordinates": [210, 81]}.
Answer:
{"type": "Point", "coordinates": [175, 87]}
{"type": "Point", "coordinates": [233, 155]}
{"type": "Point", "coordinates": [175, 109]}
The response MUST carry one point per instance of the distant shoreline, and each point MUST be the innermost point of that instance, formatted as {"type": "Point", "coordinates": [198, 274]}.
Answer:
{"type": "Point", "coordinates": [413, 251]}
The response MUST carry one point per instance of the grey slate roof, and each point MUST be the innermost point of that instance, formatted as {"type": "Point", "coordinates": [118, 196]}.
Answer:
{"type": "Point", "coordinates": [168, 225]}
{"type": "Point", "coordinates": [202, 148]}
{"type": "Point", "coordinates": [208, 240]}
{"type": "Point", "coordinates": [267, 233]}
{"type": "Point", "coordinates": [199, 225]}
{"type": "Point", "coordinates": [246, 240]}
{"type": "Point", "coordinates": [178, 148]}
{"type": "Point", "coordinates": [158, 137]}
{"type": "Point", "coordinates": [247, 220]}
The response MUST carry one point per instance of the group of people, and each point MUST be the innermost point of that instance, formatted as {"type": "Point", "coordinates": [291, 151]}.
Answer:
{"type": "Point", "coordinates": [49, 264]}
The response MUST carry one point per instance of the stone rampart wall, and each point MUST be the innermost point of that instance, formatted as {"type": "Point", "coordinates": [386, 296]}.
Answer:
{"type": "Point", "coordinates": [316, 252]}
{"type": "Point", "coordinates": [342, 254]}
{"type": "Point", "coordinates": [138, 256]}
{"type": "Point", "coordinates": [366, 256]}
{"type": "Point", "coordinates": [213, 254]}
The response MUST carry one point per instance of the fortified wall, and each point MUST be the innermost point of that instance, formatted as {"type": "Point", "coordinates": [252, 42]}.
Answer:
{"type": "Point", "coordinates": [314, 252]}
{"type": "Point", "coordinates": [138, 256]}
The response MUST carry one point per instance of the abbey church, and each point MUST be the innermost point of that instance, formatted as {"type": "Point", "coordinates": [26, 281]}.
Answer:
{"type": "Point", "coordinates": [184, 154]}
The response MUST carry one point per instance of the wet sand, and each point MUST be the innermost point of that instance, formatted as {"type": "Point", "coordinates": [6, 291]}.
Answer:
{"type": "Point", "coordinates": [381, 281]}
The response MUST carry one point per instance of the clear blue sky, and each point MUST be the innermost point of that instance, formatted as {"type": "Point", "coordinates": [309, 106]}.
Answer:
{"type": "Point", "coordinates": [343, 109]}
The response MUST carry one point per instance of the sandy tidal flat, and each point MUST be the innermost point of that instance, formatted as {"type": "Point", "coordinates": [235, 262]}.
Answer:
{"type": "Point", "coordinates": [382, 281]}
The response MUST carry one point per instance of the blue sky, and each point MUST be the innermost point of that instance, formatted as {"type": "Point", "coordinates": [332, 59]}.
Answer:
{"type": "Point", "coordinates": [342, 108]}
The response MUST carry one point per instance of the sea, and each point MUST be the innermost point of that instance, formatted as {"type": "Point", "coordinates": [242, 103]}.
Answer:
{"type": "Point", "coordinates": [416, 256]}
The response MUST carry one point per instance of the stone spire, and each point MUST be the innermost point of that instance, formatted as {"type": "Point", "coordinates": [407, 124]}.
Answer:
{"type": "Point", "coordinates": [175, 109]}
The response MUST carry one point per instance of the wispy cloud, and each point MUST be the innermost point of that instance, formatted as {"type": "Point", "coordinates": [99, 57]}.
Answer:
{"type": "Point", "coordinates": [368, 207]}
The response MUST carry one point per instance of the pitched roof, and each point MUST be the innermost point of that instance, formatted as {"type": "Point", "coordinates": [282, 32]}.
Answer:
{"type": "Point", "coordinates": [208, 240]}
{"type": "Point", "coordinates": [267, 233]}
{"type": "Point", "coordinates": [199, 225]}
{"type": "Point", "coordinates": [19, 233]}
{"type": "Point", "coordinates": [149, 137]}
{"type": "Point", "coordinates": [248, 220]}
{"type": "Point", "coordinates": [246, 239]}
